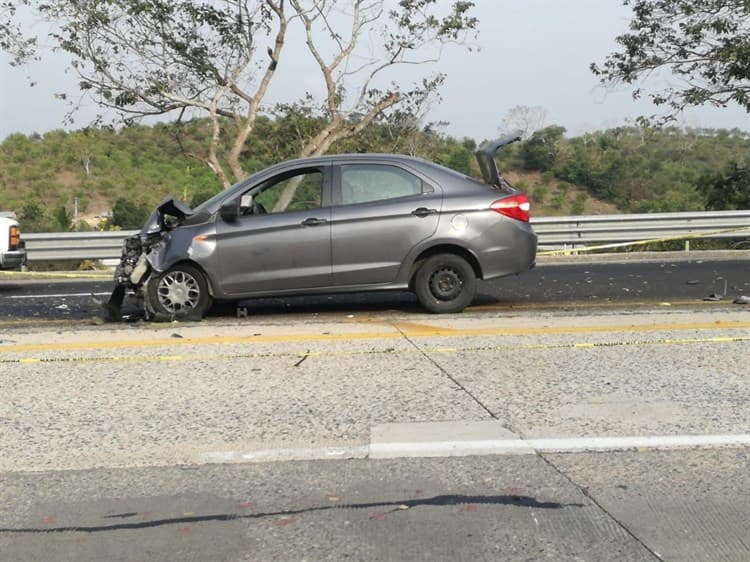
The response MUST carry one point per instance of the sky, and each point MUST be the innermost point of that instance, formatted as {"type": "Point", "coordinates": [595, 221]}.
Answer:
{"type": "Point", "coordinates": [531, 53]}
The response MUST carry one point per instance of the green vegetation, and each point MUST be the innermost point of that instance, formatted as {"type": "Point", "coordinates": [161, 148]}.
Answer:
{"type": "Point", "coordinates": [217, 61]}
{"type": "Point", "coordinates": [703, 44]}
{"type": "Point", "coordinates": [640, 169]}
{"type": "Point", "coordinates": [126, 214]}
{"type": "Point", "coordinates": [42, 176]}
{"type": "Point", "coordinates": [124, 174]}
{"type": "Point", "coordinates": [727, 191]}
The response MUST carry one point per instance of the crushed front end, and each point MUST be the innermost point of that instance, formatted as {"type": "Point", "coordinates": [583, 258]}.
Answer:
{"type": "Point", "coordinates": [134, 268]}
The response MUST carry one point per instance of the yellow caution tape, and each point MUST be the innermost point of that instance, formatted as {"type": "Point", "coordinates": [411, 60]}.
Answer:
{"type": "Point", "coordinates": [572, 251]}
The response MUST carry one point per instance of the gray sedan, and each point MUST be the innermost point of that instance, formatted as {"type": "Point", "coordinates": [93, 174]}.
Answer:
{"type": "Point", "coordinates": [332, 224]}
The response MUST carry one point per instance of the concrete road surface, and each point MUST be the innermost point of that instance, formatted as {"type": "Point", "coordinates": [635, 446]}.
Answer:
{"type": "Point", "coordinates": [616, 434]}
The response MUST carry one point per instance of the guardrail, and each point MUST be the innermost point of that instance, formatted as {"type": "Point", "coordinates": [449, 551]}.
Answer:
{"type": "Point", "coordinates": [565, 232]}
{"type": "Point", "coordinates": [599, 229]}
{"type": "Point", "coordinates": [107, 244]}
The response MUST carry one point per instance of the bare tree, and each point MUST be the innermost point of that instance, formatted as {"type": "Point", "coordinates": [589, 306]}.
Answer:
{"type": "Point", "coordinates": [524, 118]}
{"type": "Point", "coordinates": [187, 58]}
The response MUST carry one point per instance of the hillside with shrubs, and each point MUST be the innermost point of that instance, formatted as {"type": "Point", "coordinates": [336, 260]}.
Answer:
{"type": "Point", "coordinates": [106, 178]}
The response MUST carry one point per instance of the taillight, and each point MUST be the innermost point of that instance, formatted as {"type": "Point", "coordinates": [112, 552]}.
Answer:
{"type": "Point", "coordinates": [15, 236]}
{"type": "Point", "coordinates": [516, 207]}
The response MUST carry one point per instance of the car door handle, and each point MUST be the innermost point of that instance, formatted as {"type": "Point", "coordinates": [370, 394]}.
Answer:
{"type": "Point", "coordinates": [423, 212]}
{"type": "Point", "coordinates": [313, 222]}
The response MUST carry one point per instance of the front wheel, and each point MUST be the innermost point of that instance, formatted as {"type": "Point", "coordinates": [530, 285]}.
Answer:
{"type": "Point", "coordinates": [181, 292]}
{"type": "Point", "coordinates": [445, 283]}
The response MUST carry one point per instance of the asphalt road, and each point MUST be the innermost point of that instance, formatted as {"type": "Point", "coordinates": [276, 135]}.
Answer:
{"type": "Point", "coordinates": [688, 505]}
{"type": "Point", "coordinates": [554, 285]}
{"type": "Point", "coordinates": [537, 425]}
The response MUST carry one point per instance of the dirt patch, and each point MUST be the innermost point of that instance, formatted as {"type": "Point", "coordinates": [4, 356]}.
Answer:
{"type": "Point", "coordinates": [552, 197]}
{"type": "Point", "coordinates": [68, 179]}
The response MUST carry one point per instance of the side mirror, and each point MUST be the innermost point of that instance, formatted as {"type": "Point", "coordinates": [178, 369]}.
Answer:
{"type": "Point", "coordinates": [230, 210]}
{"type": "Point", "coordinates": [246, 201]}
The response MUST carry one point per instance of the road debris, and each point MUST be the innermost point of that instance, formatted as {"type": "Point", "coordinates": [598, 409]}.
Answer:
{"type": "Point", "coordinates": [305, 356]}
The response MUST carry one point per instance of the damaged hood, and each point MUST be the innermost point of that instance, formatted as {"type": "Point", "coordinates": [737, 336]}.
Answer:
{"type": "Point", "coordinates": [486, 157]}
{"type": "Point", "coordinates": [169, 207]}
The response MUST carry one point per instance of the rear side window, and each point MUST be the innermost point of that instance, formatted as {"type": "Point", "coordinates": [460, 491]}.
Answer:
{"type": "Point", "coordinates": [362, 183]}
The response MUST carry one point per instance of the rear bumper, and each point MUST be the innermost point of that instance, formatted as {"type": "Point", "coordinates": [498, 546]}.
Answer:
{"type": "Point", "coordinates": [12, 260]}
{"type": "Point", "coordinates": [516, 254]}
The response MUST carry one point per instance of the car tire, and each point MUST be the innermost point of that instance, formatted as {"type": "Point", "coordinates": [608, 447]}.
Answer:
{"type": "Point", "coordinates": [180, 293]}
{"type": "Point", "coordinates": [445, 283]}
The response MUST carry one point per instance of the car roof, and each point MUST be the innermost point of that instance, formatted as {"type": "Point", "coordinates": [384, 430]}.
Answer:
{"type": "Point", "coordinates": [370, 156]}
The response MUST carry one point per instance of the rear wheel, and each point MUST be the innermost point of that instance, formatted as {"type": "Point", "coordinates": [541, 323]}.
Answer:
{"type": "Point", "coordinates": [180, 292]}
{"type": "Point", "coordinates": [445, 283]}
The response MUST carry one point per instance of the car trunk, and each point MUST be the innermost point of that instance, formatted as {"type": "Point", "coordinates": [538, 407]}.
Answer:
{"type": "Point", "coordinates": [486, 157]}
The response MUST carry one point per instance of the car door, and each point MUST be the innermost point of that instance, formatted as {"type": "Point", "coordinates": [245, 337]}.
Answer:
{"type": "Point", "coordinates": [281, 240]}
{"type": "Point", "coordinates": [382, 211]}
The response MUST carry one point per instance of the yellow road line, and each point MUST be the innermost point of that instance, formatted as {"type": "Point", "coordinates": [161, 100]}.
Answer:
{"type": "Point", "coordinates": [370, 352]}
{"type": "Point", "coordinates": [426, 332]}
{"type": "Point", "coordinates": [414, 328]}
{"type": "Point", "coordinates": [560, 304]}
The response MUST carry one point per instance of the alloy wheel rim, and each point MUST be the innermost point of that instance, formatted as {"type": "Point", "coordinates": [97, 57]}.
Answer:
{"type": "Point", "coordinates": [178, 291]}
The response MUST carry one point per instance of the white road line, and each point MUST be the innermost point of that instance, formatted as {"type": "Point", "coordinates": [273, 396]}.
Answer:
{"type": "Point", "coordinates": [554, 445]}
{"type": "Point", "coordinates": [480, 447]}
{"type": "Point", "coordinates": [291, 454]}
{"type": "Point", "coordinates": [640, 442]}
{"type": "Point", "coordinates": [58, 296]}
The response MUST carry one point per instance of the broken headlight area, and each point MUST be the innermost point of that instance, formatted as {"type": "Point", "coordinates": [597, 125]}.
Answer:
{"type": "Point", "coordinates": [133, 268]}
{"type": "Point", "coordinates": [132, 251]}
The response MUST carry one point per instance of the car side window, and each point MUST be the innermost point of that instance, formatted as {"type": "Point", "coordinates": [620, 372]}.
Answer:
{"type": "Point", "coordinates": [298, 191]}
{"type": "Point", "coordinates": [362, 183]}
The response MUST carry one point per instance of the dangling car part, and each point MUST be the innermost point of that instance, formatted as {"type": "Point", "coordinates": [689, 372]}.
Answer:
{"type": "Point", "coordinates": [334, 224]}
